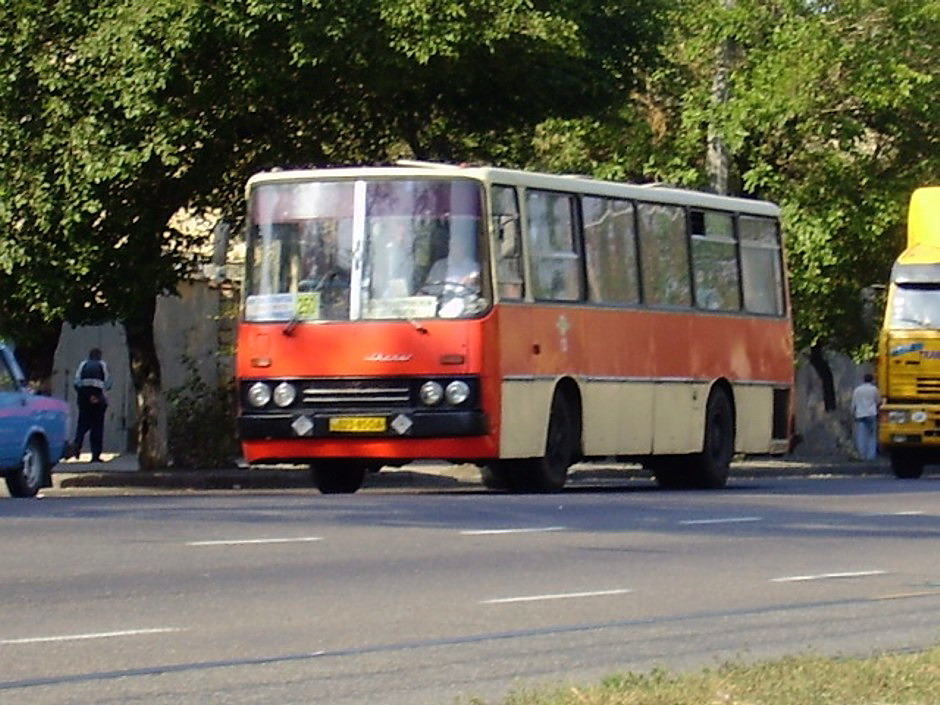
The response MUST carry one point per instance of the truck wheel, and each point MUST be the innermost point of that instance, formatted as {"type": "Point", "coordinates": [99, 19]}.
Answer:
{"type": "Point", "coordinates": [338, 477]}
{"type": "Point", "coordinates": [906, 464]}
{"type": "Point", "coordinates": [26, 480]}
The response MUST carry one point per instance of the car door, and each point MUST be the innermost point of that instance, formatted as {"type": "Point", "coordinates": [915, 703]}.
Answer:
{"type": "Point", "coordinates": [14, 411]}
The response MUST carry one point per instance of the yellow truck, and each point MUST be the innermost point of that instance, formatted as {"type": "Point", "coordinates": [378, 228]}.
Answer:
{"type": "Point", "coordinates": [909, 345]}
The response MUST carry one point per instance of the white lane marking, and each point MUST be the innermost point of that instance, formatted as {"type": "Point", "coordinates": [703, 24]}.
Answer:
{"type": "Point", "coordinates": [253, 542]}
{"type": "Point", "coordinates": [557, 596]}
{"type": "Point", "coordinates": [828, 576]}
{"type": "Point", "coordinates": [724, 520]}
{"type": "Point", "coordinates": [911, 513]}
{"type": "Point", "coordinates": [494, 532]}
{"type": "Point", "coordinates": [93, 635]}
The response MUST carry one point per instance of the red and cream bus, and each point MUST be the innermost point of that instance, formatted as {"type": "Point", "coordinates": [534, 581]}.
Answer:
{"type": "Point", "coordinates": [519, 321]}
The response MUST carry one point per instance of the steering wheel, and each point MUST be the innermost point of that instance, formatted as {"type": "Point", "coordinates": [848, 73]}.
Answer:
{"type": "Point", "coordinates": [454, 288]}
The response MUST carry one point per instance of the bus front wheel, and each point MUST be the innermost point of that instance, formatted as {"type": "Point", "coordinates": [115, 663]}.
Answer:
{"type": "Point", "coordinates": [906, 464]}
{"type": "Point", "coordinates": [549, 473]}
{"type": "Point", "coordinates": [338, 477]}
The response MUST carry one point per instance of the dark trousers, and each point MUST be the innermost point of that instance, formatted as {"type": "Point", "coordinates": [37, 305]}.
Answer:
{"type": "Point", "coordinates": [90, 420]}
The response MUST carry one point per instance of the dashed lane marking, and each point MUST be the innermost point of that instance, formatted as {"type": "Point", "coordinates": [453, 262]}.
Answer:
{"type": "Point", "coordinates": [720, 520]}
{"type": "Point", "coordinates": [523, 530]}
{"type": "Point", "coordinates": [556, 596]}
{"type": "Point", "coordinates": [828, 576]}
{"type": "Point", "coordinates": [253, 542]}
{"type": "Point", "coordinates": [92, 635]}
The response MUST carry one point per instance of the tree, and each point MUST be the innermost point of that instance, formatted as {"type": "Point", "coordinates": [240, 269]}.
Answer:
{"type": "Point", "coordinates": [830, 110]}
{"type": "Point", "coordinates": [115, 114]}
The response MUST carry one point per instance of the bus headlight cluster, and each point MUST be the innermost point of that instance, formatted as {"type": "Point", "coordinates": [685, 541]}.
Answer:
{"type": "Point", "coordinates": [260, 394]}
{"type": "Point", "coordinates": [455, 393]}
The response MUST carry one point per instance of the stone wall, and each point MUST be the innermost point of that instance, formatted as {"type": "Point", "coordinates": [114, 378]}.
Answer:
{"type": "Point", "coordinates": [826, 433]}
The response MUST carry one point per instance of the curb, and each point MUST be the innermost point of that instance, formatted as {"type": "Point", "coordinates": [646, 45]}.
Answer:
{"type": "Point", "coordinates": [418, 475]}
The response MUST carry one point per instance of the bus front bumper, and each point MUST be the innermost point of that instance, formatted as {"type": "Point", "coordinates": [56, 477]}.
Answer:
{"type": "Point", "coordinates": [404, 424]}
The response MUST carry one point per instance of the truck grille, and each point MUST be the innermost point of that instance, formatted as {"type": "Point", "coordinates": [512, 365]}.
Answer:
{"type": "Point", "coordinates": [929, 386]}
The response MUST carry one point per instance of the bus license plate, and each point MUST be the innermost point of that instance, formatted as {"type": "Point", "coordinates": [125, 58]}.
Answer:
{"type": "Point", "coordinates": [357, 424]}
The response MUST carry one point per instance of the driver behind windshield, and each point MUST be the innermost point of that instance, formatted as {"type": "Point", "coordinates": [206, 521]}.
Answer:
{"type": "Point", "coordinates": [461, 266]}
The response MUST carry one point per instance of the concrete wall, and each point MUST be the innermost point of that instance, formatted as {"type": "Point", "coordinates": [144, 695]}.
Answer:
{"type": "Point", "coordinates": [192, 325]}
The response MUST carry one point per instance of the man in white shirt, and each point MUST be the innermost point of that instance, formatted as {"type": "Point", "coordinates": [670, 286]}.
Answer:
{"type": "Point", "coordinates": [865, 401]}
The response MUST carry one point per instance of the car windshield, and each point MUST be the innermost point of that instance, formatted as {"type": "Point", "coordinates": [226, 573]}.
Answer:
{"type": "Point", "coordinates": [916, 306]}
{"type": "Point", "coordinates": [351, 250]}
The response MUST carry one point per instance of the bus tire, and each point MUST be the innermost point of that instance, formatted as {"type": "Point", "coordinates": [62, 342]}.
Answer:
{"type": "Point", "coordinates": [906, 464]}
{"type": "Point", "coordinates": [338, 477]}
{"type": "Point", "coordinates": [549, 473]}
{"type": "Point", "coordinates": [709, 469]}
{"type": "Point", "coordinates": [667, 471]}
{"type": "Point", "coordinates": [496, 476]}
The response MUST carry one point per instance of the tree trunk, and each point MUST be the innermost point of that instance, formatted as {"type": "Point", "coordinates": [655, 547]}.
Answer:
{"type": "Point", "coordinates": [717, 157]}
{"type": "Point", "coordinates": [818, 360]}
{"type": "Point", "coordinates": [36, 355]}
{"type": "Point", "coordinates": [152, 450]}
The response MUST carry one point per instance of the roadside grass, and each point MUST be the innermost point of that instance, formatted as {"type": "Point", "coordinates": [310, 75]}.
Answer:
{"type": "Point", "coordinates": [888, 679]}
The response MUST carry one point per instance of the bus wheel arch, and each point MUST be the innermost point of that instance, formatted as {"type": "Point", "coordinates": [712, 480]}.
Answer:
{"type": "Point", "coordinates": [711, 465]}
{"type": "Point", "coordinates": [549, 472]}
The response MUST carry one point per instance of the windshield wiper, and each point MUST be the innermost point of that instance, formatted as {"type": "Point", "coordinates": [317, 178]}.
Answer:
{"type": "Point", "coordinates": [288, 330]}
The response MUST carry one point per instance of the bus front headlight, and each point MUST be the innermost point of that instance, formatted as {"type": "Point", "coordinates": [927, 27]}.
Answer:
{"type": "Point", "coordinates": [431, 393]}
{"type": "Point", "coordinates": [284, 394]}
{"type": "Point", "coordinates": [259, 394]}
{"type": "Point", "coordinates": [457, 392]}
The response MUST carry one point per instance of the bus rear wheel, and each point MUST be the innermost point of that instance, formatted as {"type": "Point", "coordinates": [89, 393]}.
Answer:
{"type": "Point", "coordinates": [906, 464]}
{"type": "Point", "coordinates": [338, 477]}
{"type": "Point", "coordinates": [709, 469]}
{"type": "Point", "coordinates": [668, 471]}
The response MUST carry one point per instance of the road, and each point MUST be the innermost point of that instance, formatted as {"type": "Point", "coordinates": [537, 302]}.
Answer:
{"type": "Point", "coordinates": [424, 596]}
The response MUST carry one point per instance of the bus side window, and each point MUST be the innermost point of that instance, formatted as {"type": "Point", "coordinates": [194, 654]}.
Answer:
{"type": "Point", "coordinates": [761, 268]}
{"type": "Point", "coordinates": [508, 243]}
{"type": "Point", "coordinates": [715, 261]}
{"type": "Point", "coordinates": [553, 244]}
{"type": "Point", "coordinates": [610, 250]}
{"type": "Point", "coordinates": [664, 252]}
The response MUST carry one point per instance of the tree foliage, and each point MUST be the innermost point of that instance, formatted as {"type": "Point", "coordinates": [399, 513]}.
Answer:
{"type": "Point", "coordinates": [115, 114]}
{"type": "Point", "coordinates": [832, 112]}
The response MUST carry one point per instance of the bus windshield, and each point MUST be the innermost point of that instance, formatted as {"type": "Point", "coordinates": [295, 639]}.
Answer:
{"type": "Point", "coordinates": [375, 249]}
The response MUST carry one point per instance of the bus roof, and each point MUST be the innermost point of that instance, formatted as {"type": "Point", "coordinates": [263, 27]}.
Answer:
{"type": "Point", "coordinates": [515, 177]}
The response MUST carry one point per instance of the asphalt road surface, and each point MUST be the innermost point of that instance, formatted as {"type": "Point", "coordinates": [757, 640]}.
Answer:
{"type": "Point", "coordinates": [438, 594]}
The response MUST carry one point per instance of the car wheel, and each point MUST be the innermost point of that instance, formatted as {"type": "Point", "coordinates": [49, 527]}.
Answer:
{"type": "Point", "coordinates": [29, 476]}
